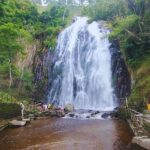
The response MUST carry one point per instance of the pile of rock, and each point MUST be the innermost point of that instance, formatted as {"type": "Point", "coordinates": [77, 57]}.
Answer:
{"type": "Point", "coordinates": [43, 110]}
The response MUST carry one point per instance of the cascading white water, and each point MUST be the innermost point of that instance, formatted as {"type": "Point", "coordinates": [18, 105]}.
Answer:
{"type": "Point", "coordinates": [82, 68]}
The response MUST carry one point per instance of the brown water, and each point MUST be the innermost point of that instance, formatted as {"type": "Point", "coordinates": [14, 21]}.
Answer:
{"type": "Point", "coordinates": [69, 134]}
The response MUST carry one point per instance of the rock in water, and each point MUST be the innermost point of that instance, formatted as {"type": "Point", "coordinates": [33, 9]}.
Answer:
{"type": "Point", "coordinates": [17, 123]}
{"type": "Point", "coordinates": [106, 115]}
{"type": "Point", "coordinates": [26, 119]}
{"type": "Point", "coordinates": [71, 115]}
{"type": "Point", "coordinates": [68, 108]}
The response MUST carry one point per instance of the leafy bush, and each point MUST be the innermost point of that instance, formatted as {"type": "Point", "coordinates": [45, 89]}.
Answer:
{"type": "Point", "coordinates": [7, 98]}
{"type": "Point", "coordinates": [122, 113]}
{"type": "Point", "coordinates": [122, 25]}
{"type": "Point", "coordinates": [51, 23]}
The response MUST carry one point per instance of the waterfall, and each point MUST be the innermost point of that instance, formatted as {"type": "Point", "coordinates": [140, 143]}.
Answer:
{"type": "Point", "coordinates": [82, 68]}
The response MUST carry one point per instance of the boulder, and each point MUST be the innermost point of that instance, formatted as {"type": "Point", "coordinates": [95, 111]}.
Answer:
{"type": "Point", "coordinates": [53, 113]}
{"type": "Point", "coordinates": [95, 113]}
{"type": "Point", "coordinates": [31, 116]}
{"type": "Point", "coordinates": [57, 113]}
{"type": "Point", "coordinates": [46, 113]}
{"type": "Point", "coordinates": [60, 114]}
{"type": "Point", "coordinates": [26, 119]}
{"type": "Point", "coordinates": [17, 123]}
{"type": "Point", "coordinates": [69, 108]}
{"type": "Point", "coordinates": [106, 115]}
{"type": "Point", "coordinates": [71, 115]}
{"type": "Point", "coordinates": [87, 116]}
{"type": "Point", "coordinates": [142, 141]}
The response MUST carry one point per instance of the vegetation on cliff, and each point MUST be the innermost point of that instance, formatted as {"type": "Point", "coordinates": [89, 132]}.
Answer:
{"type": "Point", "coordinates": [133, 33]}
{"type": "Point", "coordinates": [24, 31]}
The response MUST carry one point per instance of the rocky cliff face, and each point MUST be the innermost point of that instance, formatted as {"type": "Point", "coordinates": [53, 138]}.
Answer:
{"type": "Point", "coordinates": [120, 73]}
{"type": "Point", "coordinates": [42, 71]}
{"type": "Point", "coordinates": [27, 60]}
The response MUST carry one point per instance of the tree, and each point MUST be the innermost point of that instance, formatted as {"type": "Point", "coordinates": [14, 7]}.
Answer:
{"type": "Point", "coordinates": [9, 46]}
{"type": "Point", "coordinates": [138, 6]}
{"type": "Point", "coordinates": [106, 10]}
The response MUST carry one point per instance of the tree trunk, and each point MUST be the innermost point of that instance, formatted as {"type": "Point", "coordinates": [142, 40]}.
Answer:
{"type": "Point", "coordinates": [64, 14]}
{"type": "Point", "coordinates": [10, 74]}
{"type": "Point", "coordinates": [133, 35]}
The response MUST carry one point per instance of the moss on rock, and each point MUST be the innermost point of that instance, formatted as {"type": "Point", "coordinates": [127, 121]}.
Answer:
{"type": "Point", "coordinates": [9, 110]}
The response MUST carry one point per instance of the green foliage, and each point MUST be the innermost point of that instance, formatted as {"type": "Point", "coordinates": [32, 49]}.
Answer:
{"type": "Point", "coordinates": [7, 98]}
{"type": "Point", "coordinates": [12, 41]}
{"type": "Point", "coordinates": [51, 23]}
{"type": "Point", "coordinates": [122, 113]}
{"type": "Point", "coordinates": [129, 21]}
{"type": "Point", "coordinates": [122, 24]}
{"type": "Point", "coordinates": [16, 22]}
{"type": "Point", "coordinates": [141, 88]}
{"type": "Point", "coordinates": [9, 110]}
{"type": "Point", "coordinates": [22, 12]}
{"type": "Point", "coordinates": [20, 25]}
{"type": "Point", "coordinates": [147, 126]}
{"type": "Point", "coordinates": [39, 90]}
{"type": "Point", "coordinates": [8, 40]}
{"type": "Point", "coordinates": [106, 10]}
{"type": "Point", "coordinates": [27, 79]}
{"type": "Point", "coordinates": [133, 32]}
{"type": "Point", "coordinates": [138, 7]}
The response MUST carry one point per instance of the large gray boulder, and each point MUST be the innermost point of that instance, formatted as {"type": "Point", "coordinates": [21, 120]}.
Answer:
{"type": "Point", "coordinates": [142, 141]}
{"type": "Point", "coordinates": [68, 108]}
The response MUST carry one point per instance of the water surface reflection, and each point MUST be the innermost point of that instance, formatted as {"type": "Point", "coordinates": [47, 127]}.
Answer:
{"type": "Point", "coordinates": [69, 134]}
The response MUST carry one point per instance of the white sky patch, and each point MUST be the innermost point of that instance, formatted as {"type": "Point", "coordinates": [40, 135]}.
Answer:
{"type": "Point", "coordinates": [84, 3]}
{"type": "Point", "coordinates": [44, 3]}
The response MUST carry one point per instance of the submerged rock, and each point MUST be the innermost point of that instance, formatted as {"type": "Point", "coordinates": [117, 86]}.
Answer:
{"type": "Point", "coordinates": [109, 115]}
{"type": "Point", "coordinates": [47, 113]}
{"type": "Point", "coordinates": [57, 113]}
{"type": "Point", "coordinates": [87, 116]}
{"type": "Point", "coordinates": [95, 113]}
{"type": "Point", "coordinates": [71, 115]}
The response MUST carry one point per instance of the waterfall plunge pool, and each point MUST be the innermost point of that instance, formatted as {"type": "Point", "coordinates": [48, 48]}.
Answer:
{"type": "Point", "coordinates": [69, 134]}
